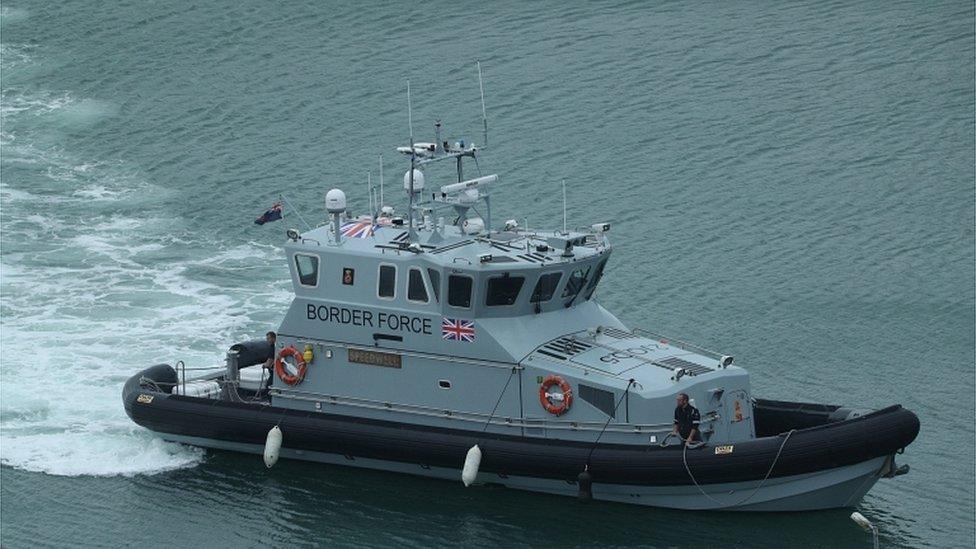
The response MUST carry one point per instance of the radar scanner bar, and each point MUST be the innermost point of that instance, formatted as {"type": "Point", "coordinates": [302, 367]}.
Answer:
{"type": "Point", "coordinates": [469, 184]}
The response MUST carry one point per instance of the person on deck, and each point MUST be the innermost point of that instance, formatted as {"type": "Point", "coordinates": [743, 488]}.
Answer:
{"type": "Point", "coordinates": [271, 338]}
{"type": "Point", "coordinates": [686, 420]}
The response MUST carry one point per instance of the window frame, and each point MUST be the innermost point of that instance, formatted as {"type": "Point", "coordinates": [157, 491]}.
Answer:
{"type": "Point", "coordinates": [471, 292]}
{"type": "Point", "coordinates": [435, 287]}
{"type": "Point", "coordinates": [594, 281]}
{"type": "Point", "coordinates": [555, 287]}
{"type": "Point", "coordinates": [379, 278]}
{"type": "Point", "coordinates": [569, 279]}
{"type": "Point", "coordinates": [298, 270]}
{"type": "Point", "coordinates": [502, 277]}
{"type": "Point", "coordinates": [423, 281]}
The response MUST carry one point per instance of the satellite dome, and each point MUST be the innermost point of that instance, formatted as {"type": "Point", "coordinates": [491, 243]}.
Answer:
{"type": "Point", "coordinates": [418, 180]}
{"type": "Point", "coordinates": [335, 201]}
{"type": "Point", "coordinates": [473, 225]}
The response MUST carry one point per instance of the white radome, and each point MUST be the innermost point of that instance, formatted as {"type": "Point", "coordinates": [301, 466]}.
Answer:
{"type": "Point", "coordinates": [418, 180]}
{"type": "Point", "coordinates": [469, 196]}
{"type": "Point", "coordinates": [473, 225]}
{"type": "Point", "coordinates": [335, 201]}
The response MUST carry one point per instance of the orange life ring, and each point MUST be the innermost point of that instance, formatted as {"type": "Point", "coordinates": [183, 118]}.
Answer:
{"type": "Point", "coordinates": [561, 406]}
{"type": "Point", "coordinates": [299, 363]}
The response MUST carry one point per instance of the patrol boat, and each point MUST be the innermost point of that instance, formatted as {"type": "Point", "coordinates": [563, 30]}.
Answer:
{"type": "Point", "coordinates": [442, 345]}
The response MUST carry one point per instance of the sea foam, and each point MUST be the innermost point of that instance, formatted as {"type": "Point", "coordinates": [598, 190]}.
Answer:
{"type": "Point", "coordinates": [91, 295]}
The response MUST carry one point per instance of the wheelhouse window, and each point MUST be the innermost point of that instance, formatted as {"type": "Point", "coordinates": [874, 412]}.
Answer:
{"type": "Point", "coordinates": [459, 291]}
{"type": "Point", "coordinates": [545, 287]}
{"type": "Point", "coordinates": [595, 279]}
{"type": "Point", "coordinates": [308, 269]}
{"type": "Point", "coordinates": [575, 282]}
{"type": "Point", "coordinates": [435, 282]}
{"type": "Point", "coordinates": [416, 289]}
{"type": "Point", "coordinates": [503, 290]}
{"type": "Point", "coordinates": [386, 286]}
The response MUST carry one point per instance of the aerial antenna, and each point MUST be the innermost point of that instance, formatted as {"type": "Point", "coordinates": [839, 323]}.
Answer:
{"type": "Point", "coordinates": [484, 113]}
{"type": "Point", "coordinates": [381, 182]}
{"type": "Point", "coordinates": [564, 207]}
{"type": "Point", "coordinates": [413, 156]}
{"type": "Point", "coordinates": [375, 213]}
{"type": "Point", "coordinates": [369, 191]}
{"type": "Point", "coordinates": [409, 114]}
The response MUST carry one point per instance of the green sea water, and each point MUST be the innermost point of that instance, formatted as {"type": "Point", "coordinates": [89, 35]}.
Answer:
{"type": "Point", "coordinates": [791, 183]}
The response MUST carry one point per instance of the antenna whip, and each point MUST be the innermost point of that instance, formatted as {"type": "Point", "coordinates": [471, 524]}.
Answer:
{"type": "Point", "coordinates": [484, 113]}
{"type": "Point", "coordinates": [564, 207]}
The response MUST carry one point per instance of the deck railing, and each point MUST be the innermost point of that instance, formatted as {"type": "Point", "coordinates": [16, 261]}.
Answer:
{"type": "Point", "coordinates": [683, 345]}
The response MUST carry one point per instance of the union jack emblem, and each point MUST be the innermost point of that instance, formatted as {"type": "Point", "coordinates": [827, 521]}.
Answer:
{"type": "Point", "coordinates": [454, 329]}
{"type": "Point", "coordinates": [358, 229]}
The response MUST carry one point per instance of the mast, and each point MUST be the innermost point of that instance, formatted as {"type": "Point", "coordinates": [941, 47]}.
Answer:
{"type": "Point", "coordinates": [413, 157]}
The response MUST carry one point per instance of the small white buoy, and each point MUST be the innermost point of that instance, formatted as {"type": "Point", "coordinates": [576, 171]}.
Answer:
{"type": "Point", "coordinates": [471, 464]}
{"type": "Point", "coordinates": [272, 446]}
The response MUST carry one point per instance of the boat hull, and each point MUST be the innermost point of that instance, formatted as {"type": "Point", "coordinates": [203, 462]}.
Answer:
{"type": "Point", "coordinates": [832, 488]}
{"type": "Point", "coordinates": [821, 467]}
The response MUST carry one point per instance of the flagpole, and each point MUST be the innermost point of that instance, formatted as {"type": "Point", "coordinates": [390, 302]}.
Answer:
{"type": "Point", "coordinates": [299, 214]}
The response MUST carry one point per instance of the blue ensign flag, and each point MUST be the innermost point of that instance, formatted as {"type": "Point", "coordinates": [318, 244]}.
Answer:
{"type": "Point", "coordinates": [271, 214]}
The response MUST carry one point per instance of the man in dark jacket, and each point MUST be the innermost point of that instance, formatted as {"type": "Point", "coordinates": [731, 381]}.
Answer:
{"type": "Point", "coordinates": [686, 420]}
{"type": "Point", "coordinates": [271, 338]}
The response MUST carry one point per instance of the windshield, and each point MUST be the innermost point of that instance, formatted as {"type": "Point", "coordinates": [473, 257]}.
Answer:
{"type": "Point", "coordinates": [595, 279]}
{"type": "Point", "coordinates": [575, 283]}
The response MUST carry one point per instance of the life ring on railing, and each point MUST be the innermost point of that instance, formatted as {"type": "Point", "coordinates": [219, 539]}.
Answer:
{"type": "Point", "coordinates": [556, 403]}
{"type": "Point", "coordinates": [299, 363]}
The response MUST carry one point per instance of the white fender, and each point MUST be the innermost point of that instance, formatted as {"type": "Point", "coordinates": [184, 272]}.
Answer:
{"type": "Point", "coordinates": [471, 464]}
{"type": "Point", "coordinates": [272, 446]}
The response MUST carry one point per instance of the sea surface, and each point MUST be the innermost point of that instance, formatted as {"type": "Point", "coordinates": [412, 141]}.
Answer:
{"type": "Point", "coordinates": [789, 182]}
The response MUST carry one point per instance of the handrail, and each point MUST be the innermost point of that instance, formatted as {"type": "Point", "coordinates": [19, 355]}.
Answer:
{"type": "Point", "coordinates": [474, 417]}
{"type": "Point", "coordinates": [182, 368]}
{"type": "Point", "coordinates": [683, 345]}
{"type": "Point", "coordinates": [181, 371]}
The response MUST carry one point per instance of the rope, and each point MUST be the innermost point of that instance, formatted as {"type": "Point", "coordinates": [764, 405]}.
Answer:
{"type": "Point", "coordinates": [499, 401]}
{"type": "Point", "coordinates": [281, 417]}
{"type": "Point", "coordinates": [143, 381]}
{"type": "Point", "coordinates": [684, 459]}
{"type": "Point", "coordinates": [605, 425]}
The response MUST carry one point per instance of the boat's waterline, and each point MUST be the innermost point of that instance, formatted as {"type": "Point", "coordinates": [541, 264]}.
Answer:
{"type": "Point", "coordinates": [827, 489]}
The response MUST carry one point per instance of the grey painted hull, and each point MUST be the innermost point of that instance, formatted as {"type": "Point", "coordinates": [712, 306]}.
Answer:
{"type": "Point", "coordinates": [826, 489]}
